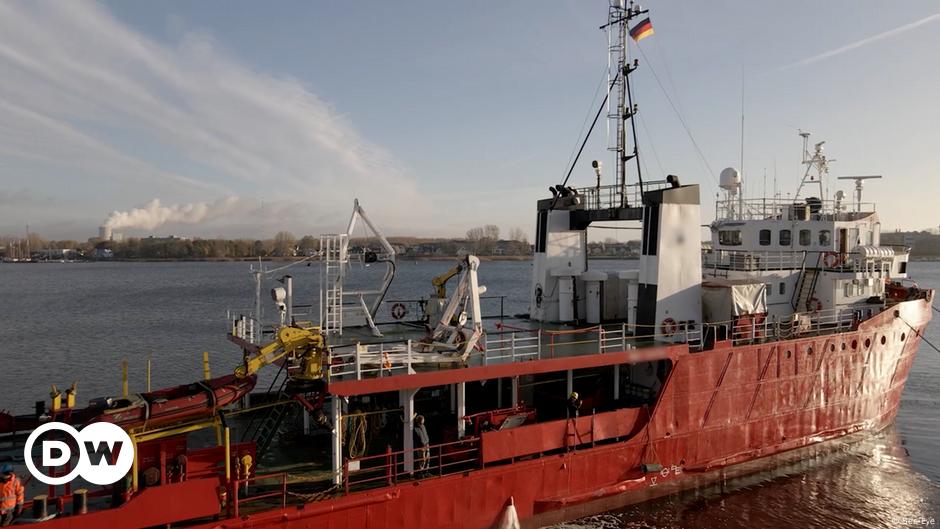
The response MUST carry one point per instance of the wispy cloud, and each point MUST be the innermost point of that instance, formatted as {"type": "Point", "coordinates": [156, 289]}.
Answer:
{"type": "Point", "coordinates": [859, 43]}
{"type": "Point", "coordinates": [83, 91]}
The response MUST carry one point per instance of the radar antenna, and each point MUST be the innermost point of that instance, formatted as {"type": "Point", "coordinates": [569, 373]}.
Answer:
{"type": "Point", "coordinates": [858, 187]}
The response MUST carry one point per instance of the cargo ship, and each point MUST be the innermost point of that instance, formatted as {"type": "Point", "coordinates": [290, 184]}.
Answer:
{"type": "Point", "coordinates": [789, 333]}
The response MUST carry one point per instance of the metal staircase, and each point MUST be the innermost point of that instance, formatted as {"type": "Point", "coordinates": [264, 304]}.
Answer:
{"type": "Point", "coordinates": [806, 286]}
{"type": "Point", "coordinates": [264, 430]}
{"type": "Point", "coordinates": [335, 258]}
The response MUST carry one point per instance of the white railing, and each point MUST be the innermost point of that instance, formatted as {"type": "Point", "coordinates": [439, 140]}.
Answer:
{"type": "Point", "coordinates": [360, 361]}
{"type": "Point", "coordinates": [753, 261]}
{"type": "Point", "coordinates": [787, 209]}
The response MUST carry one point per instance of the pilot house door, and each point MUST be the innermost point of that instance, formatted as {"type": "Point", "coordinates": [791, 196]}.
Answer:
{"type": "Point", "coordinates": [843, 236]}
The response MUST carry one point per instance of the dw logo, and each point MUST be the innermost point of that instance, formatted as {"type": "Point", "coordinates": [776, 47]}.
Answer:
{"type": "Point", "coordinates": [105, 453]}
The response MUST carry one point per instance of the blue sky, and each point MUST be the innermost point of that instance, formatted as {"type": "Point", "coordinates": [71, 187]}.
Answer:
{"type": "Point", "coordinates": [245, 118]}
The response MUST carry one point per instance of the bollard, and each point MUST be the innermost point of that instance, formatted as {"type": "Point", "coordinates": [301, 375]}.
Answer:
{"type": "Point", "coordinates": [40, 506]}
{"type": "Point", "coordinates": [80, 501]}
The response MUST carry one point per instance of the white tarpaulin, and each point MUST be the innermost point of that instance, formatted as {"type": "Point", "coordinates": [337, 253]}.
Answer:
{"type": "Point", "coordinates": [723, 299]}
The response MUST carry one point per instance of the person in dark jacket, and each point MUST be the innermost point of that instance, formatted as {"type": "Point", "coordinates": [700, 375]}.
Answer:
{"type": "Point", "coordinates": [574, 405]}
{"type": "Point", "coordinates": [422, 445]}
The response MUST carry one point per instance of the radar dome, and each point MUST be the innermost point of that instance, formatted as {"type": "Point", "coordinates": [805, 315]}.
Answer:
{"type": "Point", "coordinates": [730, 179]}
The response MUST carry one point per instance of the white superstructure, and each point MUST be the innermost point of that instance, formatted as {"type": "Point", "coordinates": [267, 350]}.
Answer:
{"type": "Point", "coordinates": [811, 253]}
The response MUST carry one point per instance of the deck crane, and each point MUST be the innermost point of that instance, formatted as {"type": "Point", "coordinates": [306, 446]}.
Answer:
{"type": "Point", "coordinates": [303, 350]}
{"type": "Point", "coordinates": [440, 282]}
{"type": "Point", "coordinates": [450, 333]}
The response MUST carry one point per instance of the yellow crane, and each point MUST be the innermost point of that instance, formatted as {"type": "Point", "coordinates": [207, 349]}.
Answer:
{"type": "Point", "coordinates": [304, 350]}
{"type": "Point", "coordinates": [440, 282]}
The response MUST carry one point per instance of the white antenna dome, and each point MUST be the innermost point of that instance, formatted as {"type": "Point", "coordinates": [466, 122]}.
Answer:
{"type": "Point", "coordinates": [730, 180]}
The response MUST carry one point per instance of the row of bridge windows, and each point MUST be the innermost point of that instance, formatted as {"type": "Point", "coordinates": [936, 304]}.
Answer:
{"type": "Point", "coordinates": [784, 237]}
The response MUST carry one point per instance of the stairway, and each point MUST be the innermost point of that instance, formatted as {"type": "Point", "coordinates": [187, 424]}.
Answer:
{"type": "Point", "coordinates": [264, 430]}
{"type": "Point", "coordinates": [805, 289]}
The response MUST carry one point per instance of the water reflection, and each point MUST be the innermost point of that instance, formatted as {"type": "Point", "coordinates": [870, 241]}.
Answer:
{"type": "Point", "coordinates": [867, 484]}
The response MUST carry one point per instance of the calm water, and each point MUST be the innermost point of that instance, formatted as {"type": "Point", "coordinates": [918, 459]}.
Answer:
{"type": "Point", "coordinates": [67, 322]}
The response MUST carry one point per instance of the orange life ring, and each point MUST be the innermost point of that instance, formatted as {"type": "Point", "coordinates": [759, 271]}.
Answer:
{"type": "Point", "coordinates": [668, 327]}
{"type": "Point", "coordinates": [386, 361]}
{"type": "Point", "coordinates": [399, 311]}
{"type": "Point", "coordinates": [832, 259]}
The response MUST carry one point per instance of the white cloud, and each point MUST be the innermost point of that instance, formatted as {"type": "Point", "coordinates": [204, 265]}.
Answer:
{"type": "Point", "coordinates": [83, 91]}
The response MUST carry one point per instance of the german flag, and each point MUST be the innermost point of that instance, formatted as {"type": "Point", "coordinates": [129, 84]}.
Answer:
{"type": "Point", "coordinates": [642, 30]}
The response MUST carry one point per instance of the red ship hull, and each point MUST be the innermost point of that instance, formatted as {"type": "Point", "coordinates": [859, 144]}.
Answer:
{"type": "Point", "coordinates": [722, 413]}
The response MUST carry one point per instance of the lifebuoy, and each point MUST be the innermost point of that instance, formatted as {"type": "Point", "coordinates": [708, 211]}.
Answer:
{"type": "Point", "coordinates": [814, 305]}
{"type": "Point", "coordinates": [832, 259]}
{"type": "Point", "coordinates": [668, 327]}
{"type": "Point", "coordinates": [399, 311]}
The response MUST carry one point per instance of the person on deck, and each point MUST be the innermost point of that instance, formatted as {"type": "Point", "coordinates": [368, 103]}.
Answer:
{"type": "Point", "coordinates": [574, 405]}
{"type": "Point", "coordinates": [11, 495]}
{"type": "Point", "coordinates": [422, 446]}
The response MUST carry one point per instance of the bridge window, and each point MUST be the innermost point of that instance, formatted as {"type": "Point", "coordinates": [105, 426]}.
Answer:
{"type": "Point", "coordinates": [764, 238]}
{"type": "Point", "coordinates": [825, 238]}
{"type": "Point", "coordinates": [806, 238]}
{"type": "Point", "coordinates": [783, 288]}
{"type": "Point", "coordinates": [729, 237]}
{"type": "Point", "coordinates": [785, 238]}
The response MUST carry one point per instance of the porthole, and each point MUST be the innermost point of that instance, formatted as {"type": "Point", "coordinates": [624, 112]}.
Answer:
{"type": "Point", "coordinates": [854, 344]}
{"type": "Point", "coordinates": [832, 346]}
{"type": "Point", "coordinates": [883, 340]}
{"type": "Point", "coordinates": [843, 346]}
{"type": "Point", "coordinates": [867, 343]}
{"type": "Point", "coordinates": [788, 354]}
{"type": "Point", "coordinates": [809, 350]}
{"type": "Point", "coordinates": [903, 336]}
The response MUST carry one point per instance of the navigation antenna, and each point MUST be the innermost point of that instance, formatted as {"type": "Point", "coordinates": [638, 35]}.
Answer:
{"type": "Point", "coordinates": [858, 188]}
{"type": "Point", "coordinates": [618, 75]}
{"type": "Point", "coordinates": [815, 160]}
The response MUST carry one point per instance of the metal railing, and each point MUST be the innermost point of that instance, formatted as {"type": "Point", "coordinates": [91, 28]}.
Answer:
{"type": "Point", "coordinates": [615, 196]}
{"type": "Point", "coordinates": [241, 492]}
{"type": "Point", "coordinates": [788, 209]}
{"type": "Point", "coordinates": [800, 324]}
{"type": "Point", "coordinates": [377, 360]}
{"type": "Point", "coordinates": [390, 468]}
{"type": "Point", "coordinates": [752, 261]}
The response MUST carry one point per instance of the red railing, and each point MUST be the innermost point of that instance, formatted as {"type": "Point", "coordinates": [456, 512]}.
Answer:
{"type": "Point", "coordinates": [240, 492]}
{"type": "Point", "coordinates": [388, 468]}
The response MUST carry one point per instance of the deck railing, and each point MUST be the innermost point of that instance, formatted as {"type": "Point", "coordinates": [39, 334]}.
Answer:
{"type": "Point", "coordinates": [241, 492]}
{"type": "Point", "coordinates": [359, 361]}
{"type": "Point", "coordinates": [389, 468]}
{"type": "Point", "coordinates": [788, 209]}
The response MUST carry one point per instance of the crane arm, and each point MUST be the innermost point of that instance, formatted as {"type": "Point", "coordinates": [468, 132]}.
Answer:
{"type": "Point", "coordinates": [440, 282]}
{"type": "Point", "coordinates": [302, 348]}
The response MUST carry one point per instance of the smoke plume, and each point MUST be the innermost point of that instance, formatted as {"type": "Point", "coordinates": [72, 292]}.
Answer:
{"type": "Point", "coordinates": [155, 214]}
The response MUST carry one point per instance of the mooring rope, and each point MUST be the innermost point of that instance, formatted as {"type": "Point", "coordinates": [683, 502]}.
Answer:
{"type": "Point", "coordinates": [919, 334]}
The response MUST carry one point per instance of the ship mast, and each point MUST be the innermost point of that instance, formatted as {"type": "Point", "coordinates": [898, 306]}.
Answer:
{"type": "Point", "coordinates": [618, 75]}
{"type": "Point", "coordinates": [813, 160]}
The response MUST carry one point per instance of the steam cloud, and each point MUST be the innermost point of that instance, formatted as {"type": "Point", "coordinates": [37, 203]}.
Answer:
{"type": "Point", "coordinates": [155, 214]}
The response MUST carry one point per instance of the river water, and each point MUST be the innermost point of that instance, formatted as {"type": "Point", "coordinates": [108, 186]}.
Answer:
{"type": "Point", "coordinates": [63, 322]}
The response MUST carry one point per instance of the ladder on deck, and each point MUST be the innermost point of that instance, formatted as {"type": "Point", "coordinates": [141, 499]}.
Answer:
{"type": "Point", "coordinates": [806, 286]}
{"type": "Point", "coordinates": [335, 258]}
{"type": "Point", "coordinates": [264, 430]}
